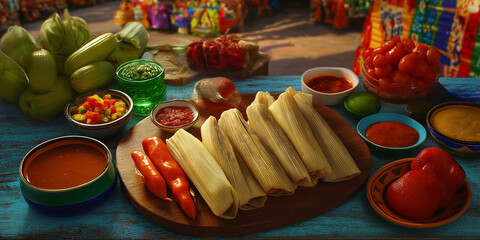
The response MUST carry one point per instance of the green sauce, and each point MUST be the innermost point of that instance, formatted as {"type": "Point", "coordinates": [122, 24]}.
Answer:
{"type": "Point", "coordinates": [141, 71]}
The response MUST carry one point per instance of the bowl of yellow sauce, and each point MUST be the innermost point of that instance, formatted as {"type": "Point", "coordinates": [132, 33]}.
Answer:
{"type": "Point", "coordinates": [456, 127]}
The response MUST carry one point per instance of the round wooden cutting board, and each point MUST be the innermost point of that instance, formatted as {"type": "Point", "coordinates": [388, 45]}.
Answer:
{"type": "Point", "coordinates": [278, 211]}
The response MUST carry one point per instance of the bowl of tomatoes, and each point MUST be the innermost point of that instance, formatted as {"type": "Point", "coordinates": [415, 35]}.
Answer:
{"type": "Point", "coordinates": [401, 71]}
{"type": "Point", "coordinates": [100, 114]}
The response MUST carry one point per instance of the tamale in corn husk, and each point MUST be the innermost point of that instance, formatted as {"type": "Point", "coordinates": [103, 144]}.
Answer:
{"type": "Point", "coordinates": [13, 80]}
{"type": "Point", "coordinates": [342, 163]}
{"type": "Point", "coordinates": [250, 194]}
{"type": "Point", "coordinates": [57, 36]}
{"type": "Point", "coordinates": [272, 136]}
{"type": "Point", "coordinates": [291, 120]}
{"type": "Point", "coordinates": [264, 98]}
{"type": "Point", "coordinates": [81, 31]}
{"type": "Point", "coordinates": [132, 40]}
{"type": "Point", "coordinates": [17, 43]}
{"type": "Point", "coordinates": [263, 165]}
{"type": "Point", "coordinates": [41, 70]}
{"type": "Point", "coordinates": [205, 173]}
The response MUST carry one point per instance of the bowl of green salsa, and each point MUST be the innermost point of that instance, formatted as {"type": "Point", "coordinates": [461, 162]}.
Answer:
{"type": "Point", "coordinates": [142, 80]}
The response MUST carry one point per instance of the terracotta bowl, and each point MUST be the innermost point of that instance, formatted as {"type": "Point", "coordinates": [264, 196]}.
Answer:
{"type": "Point", "coordinates": [386, 175]}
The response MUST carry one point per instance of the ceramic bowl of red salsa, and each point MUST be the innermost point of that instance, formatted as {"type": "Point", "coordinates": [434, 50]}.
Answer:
{"type": "Point", "coordinates": [173, 115]}
{"type": "Point", "coordinates": [329, 85]}
{"type": "Point", "coordinates": [67, 174]}
{"type": "Point", "coordinates": [391, 131]}
{"type": "Point", "coordinates": [100, 114]}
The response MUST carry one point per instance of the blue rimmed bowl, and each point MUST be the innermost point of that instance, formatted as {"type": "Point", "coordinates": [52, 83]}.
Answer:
{"type": "Point", "coordinates": [75, 197]}
{"type": "Point", "coordinates": [454, 145]}
{"type": "Point", "coordinates": [385, 117]}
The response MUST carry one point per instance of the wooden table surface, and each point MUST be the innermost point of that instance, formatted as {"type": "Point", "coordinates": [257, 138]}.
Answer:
{"type": "Point", "coordinates": [116, 218]}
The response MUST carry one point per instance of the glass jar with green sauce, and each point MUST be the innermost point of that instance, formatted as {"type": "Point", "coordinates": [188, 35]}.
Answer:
{"type": "Point", "coordinates": [143, 81]}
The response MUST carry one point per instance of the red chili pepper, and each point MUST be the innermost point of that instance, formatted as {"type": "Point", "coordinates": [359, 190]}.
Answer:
{"type": "Point", "coordinates": [153, 179]}
{"type": "Point", "coordinates": [172, 172]}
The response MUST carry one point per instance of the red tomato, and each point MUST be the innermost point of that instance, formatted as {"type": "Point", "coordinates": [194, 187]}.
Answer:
{"type": "Point", "coordinates": [395, 54]}
{"type": "Point", "coordinates": [416, 195]}
{"type": "Point", "coordinates": [396, 39]}
{"type": "Point", "coordinates": [384, 71]}
{"type": "Point", "coordinates": [421, 69]}
{"type": "Point", "coordinates": [367, 52]}
{"type": "Point", "coordinates": [93, 115]}
{"type": "Point", "coordinates": [420, 47]}
{"type": "Point", "coordinates": [400, 77]}
{"type": "Point", "coordinates": [430, 77]}
{"type": "Point", "coordinates": [379, 60]}
{"type": "Point", "coordinates": [432, 55]}
{"type": "Point", "coordinates": [408, 63]}
{"type": "Point", "coordinates": [408, 44]}
{"type": "Point", "coordinates": [386, 85]}
{"type": "Point", "coordinates": [371, 73]}
{"type": "Point", "coordinates": [369, 61]}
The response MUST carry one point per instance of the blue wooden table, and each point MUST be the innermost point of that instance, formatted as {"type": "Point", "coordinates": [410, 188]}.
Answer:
{"type": "Point", "coordinates": [117, 218]}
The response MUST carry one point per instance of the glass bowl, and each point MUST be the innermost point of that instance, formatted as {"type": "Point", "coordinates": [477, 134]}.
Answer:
{"type": "Point", "coordinates": [394, 92]}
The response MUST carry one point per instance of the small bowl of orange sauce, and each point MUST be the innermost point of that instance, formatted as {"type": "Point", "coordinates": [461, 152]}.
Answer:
{"type": "Point", "coordinates": [67, 174]}
{"type": "Point", "coordinates": [391, 131]}
{"type": "Point", "coordinates": [173, 115]}
{"type": "Point", "coordinates": [329, 85]}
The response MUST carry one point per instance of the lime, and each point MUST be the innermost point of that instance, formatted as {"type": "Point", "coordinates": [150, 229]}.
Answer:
{"type": "Point", "coordinates": [362, 103]}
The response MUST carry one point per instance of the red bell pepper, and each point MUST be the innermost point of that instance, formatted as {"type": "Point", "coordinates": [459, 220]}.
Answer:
{"type": "Point", "coordinates": [445, 167]}
{"type": "Point", "coordinates": [416, 195]}
{"type": "Point", "coordinates": [431, 184]}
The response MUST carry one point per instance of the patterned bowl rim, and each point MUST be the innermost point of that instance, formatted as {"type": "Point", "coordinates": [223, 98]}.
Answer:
{"type": "Point", "coordinates": [447, 104]}
{"type": "Point", "coordinates": [412, 224]}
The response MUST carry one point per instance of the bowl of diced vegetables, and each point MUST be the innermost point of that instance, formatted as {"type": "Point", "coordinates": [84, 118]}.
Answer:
{"type": "Point", "coordinates": [100, 114]}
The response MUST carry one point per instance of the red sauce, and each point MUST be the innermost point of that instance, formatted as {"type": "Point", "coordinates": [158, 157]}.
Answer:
{"type": "Point", "coordinates": [174, 116]}
{"type": "Point", "coordinates": [329, 84]}
{"type": "Point", "coordinates": [65, 166]}
{"type": "Point", "coordinates": [392, 134]}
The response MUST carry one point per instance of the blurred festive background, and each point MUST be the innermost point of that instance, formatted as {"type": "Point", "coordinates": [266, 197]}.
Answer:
{"type": "Point", "coordinates": [450, 25]}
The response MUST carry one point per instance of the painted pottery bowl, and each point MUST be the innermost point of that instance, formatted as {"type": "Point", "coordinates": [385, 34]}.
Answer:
{"type": "Point", "coordinates": [380, 181]}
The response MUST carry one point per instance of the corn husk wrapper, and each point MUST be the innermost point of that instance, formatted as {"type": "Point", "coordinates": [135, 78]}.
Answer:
{"type": "Point", "coordinates": [13, 80]}
{"type": "Point", "coordinates": [249, 193]}
{"type": "Point", "coordinates": [263, 165]}
{"type": "Point", "coordinates": [17, 43]}
{"type": "Point", "coordinates": [81, 31]}
{"type": "Point", "coordinates": [264, 98]}
{"type": "Point", "coordinates": [45, 106]}
{"type": "Point", "coordinates": [132, 41]}
{"type": "Point", "coordinates": [57, 36]}
{"type": "Point", "coordinates": [41, 71]}
{"type": "Point", "coordinates": [342, 163]}
{"type": "Point", "coordinates": [291, 120]}
{"type": "Point", "coordinates": [272, 136]}
{"type": "Point", "coordinates": [205, 173]}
